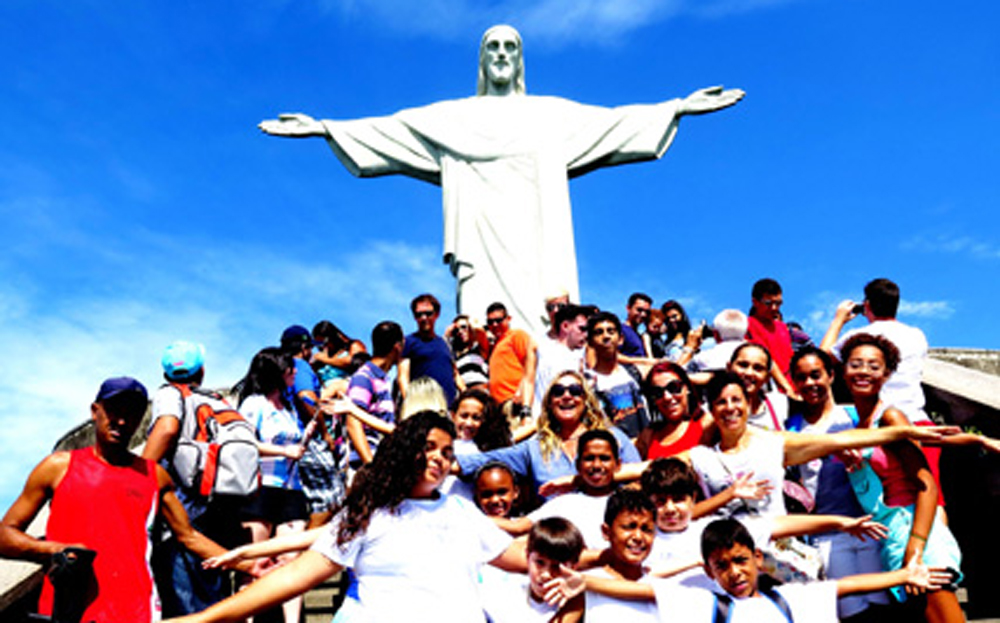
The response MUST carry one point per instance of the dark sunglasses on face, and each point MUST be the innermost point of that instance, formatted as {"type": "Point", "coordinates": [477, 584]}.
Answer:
{"type": "Point", "coordinates": [575, 390]}
{"type": "Point", "coordinates": [492, 321]}
{"type": "Point", "coordinates": [674, 388]}
{"type": "Point", "coordinates": [423, 314]}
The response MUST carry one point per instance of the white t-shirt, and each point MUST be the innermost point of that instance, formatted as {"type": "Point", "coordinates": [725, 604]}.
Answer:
{"type": "Point", "coordinates": [604, 609]}
{"type": "Point", "coordinates": [773, 409]}
{"type": "Point", "coordinates": [903, 389]}
{"type": "Point", "coordinates": [815, 602]}
{"type": "Point", "coordinates": [420, 564]}
{"type": "Point", "coordinates": [167, 401]}
{"type": "Point", "coordinates": [672, 549]}
{"type": "Point", "coordinates": [507, 598]}
{"type": "Point", "coordinates": [764, 456]}
{"type": "Point", "coordinates": [453, 485]}
{"type": "Point", "coordinates": [585, 511]}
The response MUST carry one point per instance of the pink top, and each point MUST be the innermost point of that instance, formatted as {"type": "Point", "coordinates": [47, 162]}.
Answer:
{"type": "Point", "coordinates": [898, 487]}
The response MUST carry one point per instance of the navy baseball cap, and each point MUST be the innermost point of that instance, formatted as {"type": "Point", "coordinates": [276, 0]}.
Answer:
{"type": "Point", "coordinates": [297, 334]}
{"type": "Point", "coordinates": [119, 385]}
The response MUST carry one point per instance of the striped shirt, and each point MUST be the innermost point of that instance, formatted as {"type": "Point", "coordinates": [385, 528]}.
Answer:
{"type": "Point", "coordinates": [369, 388]}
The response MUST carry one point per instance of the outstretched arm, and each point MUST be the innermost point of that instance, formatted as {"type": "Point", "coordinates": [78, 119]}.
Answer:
{"type": "Point", "coordinates": [177, 518]}
{"type": "Point", "coordinates": [293, 125]}
{"type": "Point", "coordinates": [709, 100]}
{"type": "Point", "coordinates": [801, 447]}
{"type": "Point", "coordinates": [344, 406]}
{"type": "Point", "coordinates": [914, 575]}
{"type": "Point", "coordinates": [798, 525]}
{"type": "Point", "coordinates": [283, 544]}
{"type": "Point", "coordinates": [295, 578]}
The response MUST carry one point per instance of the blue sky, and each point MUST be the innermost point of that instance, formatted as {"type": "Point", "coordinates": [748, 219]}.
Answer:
{"type": "Point", "coordinates": [140, 204]}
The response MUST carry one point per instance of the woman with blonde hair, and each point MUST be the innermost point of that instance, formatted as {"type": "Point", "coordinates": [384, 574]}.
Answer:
{"type": "Point", "coordinates": [569, 409]}
{"type": "Point", "coordinates": [424, 395]}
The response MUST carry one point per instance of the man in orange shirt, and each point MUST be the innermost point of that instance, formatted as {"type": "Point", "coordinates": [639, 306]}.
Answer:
{"type": "Point", "coordinates": [512, 362]}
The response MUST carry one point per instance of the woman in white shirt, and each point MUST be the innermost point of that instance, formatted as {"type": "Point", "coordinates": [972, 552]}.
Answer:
{"type": "Point", "coordinates": [279, 506]}
{"type": "Point", "coordinates": [413, 550]}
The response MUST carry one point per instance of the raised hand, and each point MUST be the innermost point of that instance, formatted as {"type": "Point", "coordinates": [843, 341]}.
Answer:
{"type": "Point", "coordinates": [746, 488]}
{"type": "Point", "coordinates": [561, 589]}
{"type": "Point", "coordinates": [293, 125]}
{"type": "Point", "coordinates": [709, 100]}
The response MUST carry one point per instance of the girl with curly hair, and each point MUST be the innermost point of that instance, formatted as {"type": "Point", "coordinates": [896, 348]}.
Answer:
{"type": "Point", "coordinates": [414, 551]}
{"type": "Point", "coordinates": [894, 483]}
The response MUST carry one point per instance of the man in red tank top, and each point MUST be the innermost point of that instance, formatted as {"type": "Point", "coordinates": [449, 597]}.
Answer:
{"type": "Point", "coordinates": [103, 498]}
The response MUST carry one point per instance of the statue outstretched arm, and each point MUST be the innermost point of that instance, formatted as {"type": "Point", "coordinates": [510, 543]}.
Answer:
{"type": "Point", "coordinates": [292, 125]}
{"type": "Point", "coordinates": [709, 100]}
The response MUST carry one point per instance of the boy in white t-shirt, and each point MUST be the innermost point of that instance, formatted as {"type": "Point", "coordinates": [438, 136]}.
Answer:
{"type": "Point", "coordinates": [596, 464]}
{"type": "Point", "coordinates": [672, 486]}
{"type": "Point", "coordinates": [629, 525]}
{"type": "Point", "coordinates": [554, 545]}
{"type": "Point", "coordinates": [734, 563]}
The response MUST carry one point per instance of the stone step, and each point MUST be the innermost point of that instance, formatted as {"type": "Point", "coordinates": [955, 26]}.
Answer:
{"type": "Point", "coordinates": [320, 603]}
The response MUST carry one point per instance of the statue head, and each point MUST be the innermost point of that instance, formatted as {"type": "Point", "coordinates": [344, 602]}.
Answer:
{"type": "Point", "coordinates": [501, 61]}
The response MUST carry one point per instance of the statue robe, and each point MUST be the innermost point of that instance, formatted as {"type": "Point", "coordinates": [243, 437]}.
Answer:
{"type": "Point", "coordinates": [503, 164]}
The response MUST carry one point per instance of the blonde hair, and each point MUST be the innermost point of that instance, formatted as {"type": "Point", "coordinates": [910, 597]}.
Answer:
{"type": "Point", "coordinates": [548, 427]}
{"type": "Point", "coordinates": [424, 394]}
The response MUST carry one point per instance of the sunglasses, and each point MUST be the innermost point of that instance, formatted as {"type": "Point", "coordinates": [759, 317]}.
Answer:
{"type": "Point", "coordinates": [674, 388]}
{"type": "Point", "coordinates": [492, 321]}
{"type": "Point", "coordinates": [423, 314]}
{"type": "Point", "coordinates": [575, 390]}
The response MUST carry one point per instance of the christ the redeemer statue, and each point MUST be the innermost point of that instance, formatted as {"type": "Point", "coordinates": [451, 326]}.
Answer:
{"type": "Point", "coordinates": [503, 160]}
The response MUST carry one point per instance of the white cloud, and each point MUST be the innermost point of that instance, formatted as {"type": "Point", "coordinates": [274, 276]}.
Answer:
{"type": "Point", "coordinates": [58, 346]}
{"type": "Point", "coordinates": [953, 244]}
{"type": "Point", "coordinates": [934, 310]}
{"type": "Point", "coordinates": [551, 22]}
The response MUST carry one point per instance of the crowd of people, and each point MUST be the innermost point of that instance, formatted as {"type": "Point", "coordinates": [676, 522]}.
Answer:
{"type": "Point", "coordinates": [638, 467]}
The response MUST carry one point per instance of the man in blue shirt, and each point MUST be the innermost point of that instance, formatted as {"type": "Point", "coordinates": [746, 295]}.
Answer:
{"type": "Point", "coordinates": [426, 353]}
{"type": "Point", "coordinates": [638, 308]}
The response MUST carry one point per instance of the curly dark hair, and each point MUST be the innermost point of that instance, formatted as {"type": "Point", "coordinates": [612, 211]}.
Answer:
{"type": "Point", "coordinates": [494, 432]}
{"type": "Point", "coordinates": [390, 477]}
{"type": "Point", "coordinates": [889, 350]}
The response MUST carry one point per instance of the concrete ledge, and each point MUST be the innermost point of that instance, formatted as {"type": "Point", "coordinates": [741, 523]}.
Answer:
{"type": "Point", "coordinates": [987, 361]}
{"type": "Point", "coordinates": [966, 391]}
{"type": "Point", "coordinates": [18, 578]}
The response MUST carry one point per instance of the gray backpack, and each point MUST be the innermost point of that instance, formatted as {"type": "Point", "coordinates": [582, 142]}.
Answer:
{"type": "Point", "coordinates": [216, 450]}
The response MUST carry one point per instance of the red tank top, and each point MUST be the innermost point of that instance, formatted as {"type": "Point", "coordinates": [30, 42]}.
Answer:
{"type": "Point", "coordinates": [690, 439]}
{"type": "Point", "coordinates": [109, 509]}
